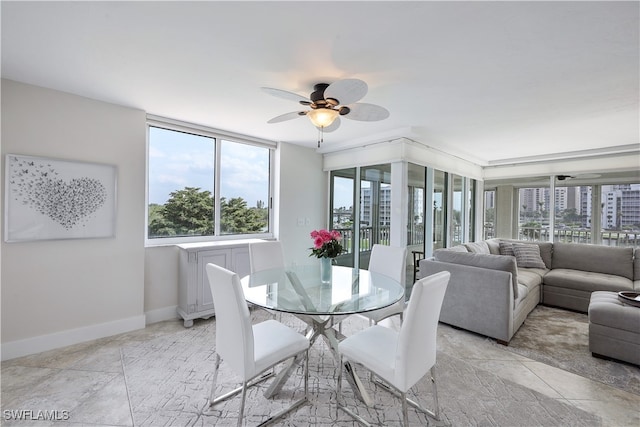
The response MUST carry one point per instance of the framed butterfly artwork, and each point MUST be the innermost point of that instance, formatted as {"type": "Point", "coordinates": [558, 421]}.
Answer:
{"type": "Point", "coordinates": [48, 199]}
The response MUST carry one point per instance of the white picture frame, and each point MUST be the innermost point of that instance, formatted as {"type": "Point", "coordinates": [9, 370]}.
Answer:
{"type": "Point", "coordinates": [50, 199]}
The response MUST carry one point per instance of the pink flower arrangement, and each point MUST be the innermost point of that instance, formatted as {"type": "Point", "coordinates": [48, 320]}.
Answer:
{"type": "Point", "coordinates": [326, 244]}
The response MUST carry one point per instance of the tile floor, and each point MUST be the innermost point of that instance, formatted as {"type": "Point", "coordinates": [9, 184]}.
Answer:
{"type": "Point", "coordinates": [92, 373]}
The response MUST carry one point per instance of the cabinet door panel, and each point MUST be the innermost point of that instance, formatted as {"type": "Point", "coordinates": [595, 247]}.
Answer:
{"type": "Point", "coordinates": [241, 263]}
{"type": "Point", "coordinates": [218, 257]}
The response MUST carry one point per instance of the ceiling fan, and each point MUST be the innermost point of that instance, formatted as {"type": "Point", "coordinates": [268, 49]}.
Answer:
{"type": "Point", "coordinates": [328, 102]}
{"type": "Point", "coordinates": [564, 178]}
{"type": "Point", "coordinates": [578, 176]}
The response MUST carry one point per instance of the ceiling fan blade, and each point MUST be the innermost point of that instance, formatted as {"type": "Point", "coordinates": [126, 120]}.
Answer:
{"type": "Point", "coordinates": [333, 126]}
{"type": "Point", "coordinates": [278, 93]}
{"type": "Point", "coordinates": [346, 91]}
{"type": "Point", "coordinates": [287, 116]}
{"type": "Point", "coordinates": [366, 112]}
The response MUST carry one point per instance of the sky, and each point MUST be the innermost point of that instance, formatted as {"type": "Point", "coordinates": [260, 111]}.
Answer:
{"type": "Point", "coordinates": [178, 160]}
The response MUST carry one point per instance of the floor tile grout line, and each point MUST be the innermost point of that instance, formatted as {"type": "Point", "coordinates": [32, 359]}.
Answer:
{"type": "Point", "coordinates": [126, 386]}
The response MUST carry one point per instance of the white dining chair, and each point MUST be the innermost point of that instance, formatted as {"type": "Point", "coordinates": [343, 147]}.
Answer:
{"type": "Point", "coordinates": [401, 359]}
{"type": "Point", "coordinates": [390, 261]}
{"type": "Point", "coordinates": [249, 350]}
{"type": "Point", "coordinates": [265, 256]}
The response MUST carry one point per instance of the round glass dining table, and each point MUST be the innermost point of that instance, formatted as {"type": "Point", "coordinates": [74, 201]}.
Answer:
{"type": "Point", "coordinates": [300, 290]}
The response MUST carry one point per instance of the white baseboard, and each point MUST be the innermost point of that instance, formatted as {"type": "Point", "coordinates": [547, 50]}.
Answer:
{"type": "Point", "coordinates": [162, 314]}
{"type": "Point", "coordinates": [19, 348]}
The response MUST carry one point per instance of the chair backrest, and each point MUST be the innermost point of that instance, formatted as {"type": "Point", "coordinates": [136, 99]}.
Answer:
{"type": "Point", "coordinates": [234, 333]}
{"type": "Point", "coordinates": [266, 255]}
{"type": "Point", "coordinates": [390, 261]}
{"type": "Point", "coordinates": [416, 352]}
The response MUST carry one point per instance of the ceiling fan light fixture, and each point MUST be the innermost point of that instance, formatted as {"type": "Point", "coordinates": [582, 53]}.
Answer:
{"type": "Point", "coordinates": [322, 117]}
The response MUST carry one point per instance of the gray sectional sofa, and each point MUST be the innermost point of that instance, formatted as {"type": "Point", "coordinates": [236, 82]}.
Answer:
{"type": "Point", "coordinates": [496, 283]}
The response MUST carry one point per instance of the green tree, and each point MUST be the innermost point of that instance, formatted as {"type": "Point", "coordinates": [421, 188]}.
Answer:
{"type": "Point", "coordinates": [237, 218]}
{"type": "Point", "coordinates": [158, 225]}
{"type": "Point", "coordinates": [571, 215]}
{"type": "Point", "coordinates": [187, 212]}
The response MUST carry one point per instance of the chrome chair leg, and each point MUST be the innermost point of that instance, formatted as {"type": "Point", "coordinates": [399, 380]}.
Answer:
{"type": "Point", "coordinates": [244, 398]}
{"type": "Point", "coordinates": [339, 385]}
{"type": "Point", "coordinates": [339, 404]}
{"type": "Point", "coordinates": [306, 376]}
{"type": "Point", "coordinates": [436, 409]}
{"type": "Point", "coordinates": [405, 410]}
{"type": "Point", "coordinates": [215, 400]}
{"type": "Point", "coordinates": [435, 414]}
{"type": "Point", "coordinates": [215, 380]}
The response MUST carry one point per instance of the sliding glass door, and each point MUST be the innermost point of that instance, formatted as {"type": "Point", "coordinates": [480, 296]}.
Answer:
{"type": "Point", "coordinates": [375, 209]}
{"type": "Point", "coordinates": [361, 210]}
{"type": "Point", "coordinates": [343, 216]}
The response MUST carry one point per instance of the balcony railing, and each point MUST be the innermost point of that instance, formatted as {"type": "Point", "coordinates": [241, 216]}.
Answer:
{"type": "Point", "coordinates": [570, 235]}
{"type": "Point", "coordinates": [565, 235]}
{"type": "Point", "coordinates": [367, 237]}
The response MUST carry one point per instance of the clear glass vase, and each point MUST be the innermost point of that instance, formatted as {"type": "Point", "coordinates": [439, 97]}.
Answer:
{"type": "Point", "coordinates": [325, 270]}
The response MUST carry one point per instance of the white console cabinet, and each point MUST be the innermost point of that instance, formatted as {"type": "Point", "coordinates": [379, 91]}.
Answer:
{"type": "Point", "coordinates": [194, 293]}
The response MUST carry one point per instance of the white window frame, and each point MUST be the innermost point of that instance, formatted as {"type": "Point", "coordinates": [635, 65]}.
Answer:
{"type": "Point", "coordinates": [218, 135]}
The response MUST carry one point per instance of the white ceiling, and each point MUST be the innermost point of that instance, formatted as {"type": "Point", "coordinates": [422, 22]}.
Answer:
{"type": "Point", "coordinates": [486, 81]}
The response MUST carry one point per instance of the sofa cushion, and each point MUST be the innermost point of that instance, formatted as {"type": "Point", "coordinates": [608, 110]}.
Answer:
{"type": "Point", "coordinates": [459, 248]}
{"type": "Point", "coordinates": [528, 255]}
{"type": "Point", "coordinates": [530, 277]}
{"type": "Point", "coordinates": [478, 247]}
{"type": "Point", "coordinates": [593, 258]}
{"type": "Point", "coordinates": [523, 291]}
{"type": "Point", "coordinates": [494, 262]}
{"type": "Point", "coordinates": [586, 280]}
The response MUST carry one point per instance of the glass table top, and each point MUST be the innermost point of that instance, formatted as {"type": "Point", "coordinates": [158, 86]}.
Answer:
{"type": "Point", "coordinates": [299, 290]}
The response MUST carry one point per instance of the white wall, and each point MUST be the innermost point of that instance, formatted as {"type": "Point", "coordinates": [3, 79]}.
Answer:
{"type": "Point", "coordinates": [60, 292]}
{"type": "Point", "coordinates": [304, 199]}
{"type": "Point", "coordinates": [160, 283]}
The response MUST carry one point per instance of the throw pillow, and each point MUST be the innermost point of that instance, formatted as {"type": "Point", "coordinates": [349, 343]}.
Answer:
{"type": "Point", "coordinates": [478, 247]}
{"type": "Point", "coordinates": [506, 248]}
{"type": "Point", "coordinates": [528, 256]}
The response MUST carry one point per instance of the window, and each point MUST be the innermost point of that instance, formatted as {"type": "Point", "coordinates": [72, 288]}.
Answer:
{"type": "Point", "coordinates": [489, 214]}
{"type": "Point", "coordinates": [440, 201]}
{"type": "Point", "coordinates": [416, 210]}
{"type": "Point", "coordinates": [457, 220]}
{"type": "Point", "coordinates": [534, 214]}
{"type": "Point", "coordinates": [244, 188]}
{"type": "Point", "coordinates": [598, 214]}
{"type": "Point", "coordinates": [205, 186]}
{"type": "Point", "coordinates": [620, 215]}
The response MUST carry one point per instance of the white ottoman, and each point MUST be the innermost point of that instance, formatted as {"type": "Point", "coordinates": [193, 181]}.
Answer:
{"type": "Point", "coordinates": [614, 328]}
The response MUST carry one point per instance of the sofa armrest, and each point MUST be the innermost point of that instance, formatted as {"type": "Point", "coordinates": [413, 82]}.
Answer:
{"type": "Point", "coordinates": [477, 299]}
